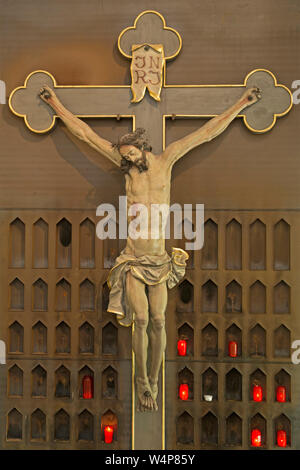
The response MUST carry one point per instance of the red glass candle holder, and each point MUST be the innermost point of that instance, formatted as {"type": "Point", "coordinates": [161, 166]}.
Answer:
{"type": "Point", "coordinates": [281, 394]}
{"type": "Point", "coordinates": [257, 393]}
{"type": "Point", "coordinates": [87, 387]}
{"type": "Point", "coordinates": [281, 438]}
{"type": "Point", "coordinates": [181, 347]}
{"type": "Point", "coordinates": [184, 392]}
{"type": "Point", "coordinates": [108, 434]}
{"type": "Point", "coordinates": [232, 348]}
{"type": "Point", "coordinates": [256, 438]}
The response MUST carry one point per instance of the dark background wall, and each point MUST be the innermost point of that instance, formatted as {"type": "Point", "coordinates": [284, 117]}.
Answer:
{"type": "Point", "coordinates": [238, 173]}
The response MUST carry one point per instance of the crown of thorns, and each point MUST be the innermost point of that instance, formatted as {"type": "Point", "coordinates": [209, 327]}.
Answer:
{"type": "Point", "coordinates": [136, 138]}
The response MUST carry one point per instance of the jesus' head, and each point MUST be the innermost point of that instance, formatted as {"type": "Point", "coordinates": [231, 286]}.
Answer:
{"type": "Point", "coordinates": [132, 148]}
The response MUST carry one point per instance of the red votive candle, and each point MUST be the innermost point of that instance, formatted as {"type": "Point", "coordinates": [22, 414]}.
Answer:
{"type": "Point", "coordinates": [87, 387]}
{"type": "Point", "coordinates": [232, 348]}
{"type": "Point", "coordinates": [257, 393]}
{"type": "Point", "coordinates": [181, 347]}
{"type": "Point", "coordinates": [184, 392]}
{"type": "Point", "coordinates": [255, 438]}
{"type": "Point", "coordinates": [108, 434]}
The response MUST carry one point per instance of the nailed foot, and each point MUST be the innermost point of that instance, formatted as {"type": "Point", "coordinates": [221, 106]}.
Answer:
{"type": "Point", "coordinates": [154, 388]}
{"type": "Point", "coordinates": [144, 395]}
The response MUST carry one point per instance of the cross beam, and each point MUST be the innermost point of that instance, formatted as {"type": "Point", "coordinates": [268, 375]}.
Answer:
{"type": "Point", "coordinates": [180, 101]}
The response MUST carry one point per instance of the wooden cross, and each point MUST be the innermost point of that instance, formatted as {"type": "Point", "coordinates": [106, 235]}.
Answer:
{"type": "Point", "coordinates": [180, 101]}
{"type": "Point", "coordinates": [150, 35]}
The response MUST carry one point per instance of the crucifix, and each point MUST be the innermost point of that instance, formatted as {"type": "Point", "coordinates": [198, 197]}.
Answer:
{"type": "Point", "coordinates": [144, 270]}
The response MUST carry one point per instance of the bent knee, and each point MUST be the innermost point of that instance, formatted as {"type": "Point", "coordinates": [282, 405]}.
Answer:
{"type": "Point", "coordinates": [141, 321]}
{"type": "Point", "coordinates": [158, 322]}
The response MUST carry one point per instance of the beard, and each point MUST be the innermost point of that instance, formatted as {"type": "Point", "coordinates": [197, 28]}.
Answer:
{"type": "Point", "coordinates": [141, 164]}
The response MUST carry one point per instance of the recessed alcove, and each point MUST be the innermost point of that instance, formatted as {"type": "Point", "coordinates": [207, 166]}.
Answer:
{"type": "Point", "coordinates": [209, 429]}
{"type": "Point", "coordinates": [39, 338]}
{"type": "Point", "coordinates": [85, 426]}
{"type": "Point", "coordinates": [186, 333]}
{"type": "Point", "coordinates": [233, 298]}
{"type": "Point", "coordinates": [185, 297]}
{"type": "Point", "coordinates": [105, 297]}
{"type": "Point", "coordinates": [257, 378]}
{"type": "Point", "coordinates": [257, 298]}
{"type": "Point", "coordinates": [87, 296]}
{"type": "Point", "coordinates": [209, 385]}
{"type": "Point", "coordinates": [209, 252]}
{"type": "Point", "coordinates": [40, 244]}
{"type": "Point", "coordinates": [209, 297]}
{"type": "Point", "coordinates": [209, 341]}
{"type": "Point", "coordinates": [63, 338]}
{"type": "Point", "coordinates": [86, 339]}
{"type": "Point", "coordinates": [282, 423]}
{"type": "Point", "coordinates": [38, 426]}
{"type": "Point", "coordinates": [185, 429]}
{"type": "Point", "coordinates": [64, 244]}
{"type": "Point", "coordinates": [16, 338]}
{"type": "Point", "coordinates": [63, 296]}
{"type": "Point", "coordinates": [109, 339]}
{"type": "Point", "coordinates": [40, 296]}
{"type": "Point", "coordinates": [109, 383]}
{"type": "Point", "coordinates": [282, 298]}
{"type": "Point", "coordinates": [14, 425]}
{"type": "Point", "coordinates": [109, 418]}
{"type": "Point", "coordinates": [281, 246]}
{"type": "Point", "coordinates": [282, 341]}
{"type": "Point", "coordinates": [260, 423]}
{"type": "Point", "coordinates": [257, 241]}
{"type": "Point", "coordinates": [233, 257]}
{"type": "Point", "coordinates": [283, 379]}
{"type": "Point", "coordinates": [233, 385]}
{"type": "Point", "coordinates": [85, 372]}
{"type": "Point", "coordinates": [62, 383]}
{"type": "Point", "coordinates": [16, 288]}
{"type": "Point", "coordinates": [15, 381]}
{"type": "Point", "coordinates": [233, 333]}
{"type": "Point", "coordinates": [62, 426]}
{"type": "Point", "coordinates": [186, 376]}
{"type": "Point", "coordinates": [257, 341]}
{"type": "Point", "coordinates": [17, 244]}
{"type": "Point", "coordinates": [87, 244]}
{"type": "Point", "coordinates": [234, 430]}
{"type": "Point", "coordinates": [39, 382]}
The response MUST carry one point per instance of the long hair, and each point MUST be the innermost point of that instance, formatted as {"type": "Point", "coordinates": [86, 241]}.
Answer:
{"type": "Point", "coordinates": [136, 138]}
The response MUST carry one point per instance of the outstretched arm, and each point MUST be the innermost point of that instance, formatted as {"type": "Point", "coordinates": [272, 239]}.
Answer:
{"type": "Point", "coordinates": [79, 128]}
{"type": "Point", "coordinates": [211, 129]}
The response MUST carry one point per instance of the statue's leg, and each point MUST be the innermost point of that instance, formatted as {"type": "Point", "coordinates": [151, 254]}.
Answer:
{"type": "Point", "coordinates": [138, 303]}
{"type": "Point", "coordinates": [158, 298]}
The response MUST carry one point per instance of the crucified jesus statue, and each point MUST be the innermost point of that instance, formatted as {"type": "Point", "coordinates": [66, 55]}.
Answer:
{"type": "Point", "coordinates": [144, 271]}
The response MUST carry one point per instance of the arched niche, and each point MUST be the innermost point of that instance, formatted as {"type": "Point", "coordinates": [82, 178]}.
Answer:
{"type": "Point", "coordinates": [185, 297]}
{"type": "Point", "coordinates": [87, 244]}
{"type": "Point", "coordinates": [209, 297]}
{"type": "Point", "coordinates": [64, 244]}
{"type": "Point", "coordinates": [209, 252]}
{"type": "Point", "coordinates": [233, 385]}
{"type": "Point", "coordinates": [39, 382]}
{"type": "Point", "coordinates": [233, 253]}
{"type": "Point", "coordinates": [17, 244]}
{"type": "Point", "coordinates": [40, 244]}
